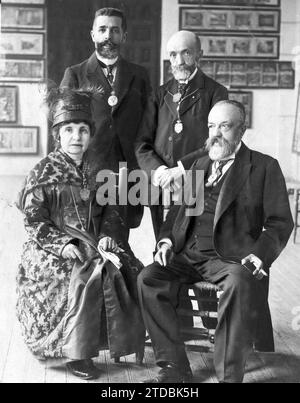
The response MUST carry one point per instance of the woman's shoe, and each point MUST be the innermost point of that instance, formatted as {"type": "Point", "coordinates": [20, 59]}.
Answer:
{"type": "Point", "coordinates": [84, 369]}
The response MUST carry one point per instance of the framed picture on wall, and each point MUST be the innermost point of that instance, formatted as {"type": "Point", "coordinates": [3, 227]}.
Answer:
{"type": "Point", "coordinates": [220, 19]}
{"type": "Point", "coordinates": [240, 46]}
{"type": "Point", "coordinates": [286, 75]}
{"type": "Point", "coordinates": [22, 17]}
{"type": "Point", "coordinates": [8, 104]}
{"type": "Point", "coordinates": [22, 44]}
{"type": "Point", "coordinates": [19, 140]}
{"type": "Point", "coordinates": [245, 98]}
{"type": "Point", "coordinates": [240, 3]}
{"type": "Point", "coordinates": [23, 2]}
{"type": "Point", "coordinates": [22, 70]}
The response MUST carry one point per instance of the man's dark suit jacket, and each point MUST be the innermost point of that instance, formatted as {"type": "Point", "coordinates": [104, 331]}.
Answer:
{"type": "Point", "coordinates": [132, 88]}
{"type": "Point", "coordinates": [252, 216]}
{"type": "Point", "coordinates": [157, 142]}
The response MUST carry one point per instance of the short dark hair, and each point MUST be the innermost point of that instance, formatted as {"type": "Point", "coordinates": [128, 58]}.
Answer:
{"type": "Point", "coordinates": [238, 105]}
{"type": "Point", "coordinates": [112, 12]}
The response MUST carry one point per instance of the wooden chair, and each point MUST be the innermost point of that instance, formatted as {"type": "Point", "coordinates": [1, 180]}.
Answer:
{"type": "Point", "coordinates": [204, 297]}
{"type": "Point", "coordinates": [297, 211]}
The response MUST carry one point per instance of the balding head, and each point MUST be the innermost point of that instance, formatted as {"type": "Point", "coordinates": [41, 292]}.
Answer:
{"type": "Point", "coordinates": [184, 49]}
{"type": "Point", "coordinates": [184, 39]}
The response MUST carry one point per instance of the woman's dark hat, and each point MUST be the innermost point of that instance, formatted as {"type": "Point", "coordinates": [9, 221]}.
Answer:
{"type": "Point", "coordinates": [67, 104]}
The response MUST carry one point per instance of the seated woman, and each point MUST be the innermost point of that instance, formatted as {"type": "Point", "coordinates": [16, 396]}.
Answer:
{"type": "Point", "coordinates": [72, 298]}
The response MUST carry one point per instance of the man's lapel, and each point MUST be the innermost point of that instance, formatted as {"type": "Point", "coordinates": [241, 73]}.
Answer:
{"type": "Point", "coordinates": [123, 80]}
{"type": "Point", "coordinates": [95, 74]}
{"type": "Point", "coordinates": [234, 181]}
{"type": "Point", "coordinates": [171, 89]}
{"type": "Point", "coordinates": [193, 93]}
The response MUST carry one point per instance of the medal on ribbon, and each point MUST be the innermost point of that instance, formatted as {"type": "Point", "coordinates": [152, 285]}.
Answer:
{"type": "Point", "coordinates": [85, 194]}
{"type": "Point", "coordinates": [112, 100]}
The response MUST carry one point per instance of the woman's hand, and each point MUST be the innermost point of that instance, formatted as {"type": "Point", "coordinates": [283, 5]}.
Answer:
{"type": "Point", "coordinates": [110, 245]}
{"type": "Point", "coordinates": [71, 251]}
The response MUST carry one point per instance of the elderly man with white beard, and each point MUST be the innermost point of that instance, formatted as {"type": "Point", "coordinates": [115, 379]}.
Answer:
{"type": "Point", "coordinates": [245, 224]}
{"type": "Point", "coordinates": [174, 126]}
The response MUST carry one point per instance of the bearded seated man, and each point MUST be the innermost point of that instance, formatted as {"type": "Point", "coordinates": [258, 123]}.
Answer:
{"type": "Point", "coordinates": [245, 224]}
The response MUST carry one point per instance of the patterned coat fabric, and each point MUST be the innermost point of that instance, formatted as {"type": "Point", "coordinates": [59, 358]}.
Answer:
{"type": "Point", "coordinates": [65, 307]}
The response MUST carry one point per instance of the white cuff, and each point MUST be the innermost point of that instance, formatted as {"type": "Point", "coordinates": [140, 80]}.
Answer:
{"type": "Point", "coordinates": [156, 175]}
{"type": "Point", "coordinates": [164, 240]}
{"type": "Point", "coordinates": [257, 262]}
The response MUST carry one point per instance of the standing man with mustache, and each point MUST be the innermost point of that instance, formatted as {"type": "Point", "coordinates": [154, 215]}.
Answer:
{"type": "Point", "coordinates": [118, 111]}
{"type": "Point", "coordinates": [245, 224]}
{"type": "Point", "coordinates": [175, 121]}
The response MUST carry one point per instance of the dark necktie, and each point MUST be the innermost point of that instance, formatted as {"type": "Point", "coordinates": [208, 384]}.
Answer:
{"type": "Point", "coordinates": [110, 76]}
{"type": "Point", "coordinates": [109, 68]}
{"type": "Point", "coordinates": [182, 87]}
{"type": "Point", "coordinates": [214, 178]}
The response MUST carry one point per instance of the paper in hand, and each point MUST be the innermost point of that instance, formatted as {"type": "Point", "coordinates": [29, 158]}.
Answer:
{"type": "Point", "coordinates": [112, 257]}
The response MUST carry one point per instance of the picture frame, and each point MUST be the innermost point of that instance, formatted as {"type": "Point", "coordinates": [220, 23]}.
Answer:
{"type": "Point", "coordinates": [238, 3]}
{"type": "Point", "coordinates": [17, 140]}
{"type": "Point", "coordinates": [239, 46]}
{"type": "Point", "coordinates": [16, 17]}
{"type": "Point", "coordinates": [8, 104]}
{"type": "Point", "coordinates": [22, 44]}
{"type": "Point", "coordinates": [229, 20]}
{"type": "Point", "coordinates": [245, 98]}
{"type": "Point", "coordinates": [241, 74]}
{"type": "Point", "coordinates": [22, 70]}
{"type": "Point", "coordinates": [35, 2]}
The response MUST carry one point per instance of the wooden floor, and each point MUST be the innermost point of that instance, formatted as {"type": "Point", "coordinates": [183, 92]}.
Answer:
{"type": "Point", "coordinates": [17, 364]}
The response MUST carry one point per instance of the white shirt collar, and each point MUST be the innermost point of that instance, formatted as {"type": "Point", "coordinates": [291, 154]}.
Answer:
{"type": "Point", "coordinates": [106, 61]}
{"type": "Point", "coordinates": [190, 77]}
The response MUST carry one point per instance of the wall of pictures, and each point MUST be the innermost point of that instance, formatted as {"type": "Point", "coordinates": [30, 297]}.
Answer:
{"type": "Point", "coordinates": [253, 48]}
{"type": "Point", "coordinates": [23, 122]}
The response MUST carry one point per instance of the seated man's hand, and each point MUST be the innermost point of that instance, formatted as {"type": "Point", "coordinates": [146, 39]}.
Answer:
{"type": "Point", "coordinates": [110, 245]}
{"type": "Point", "coordinates": [163, 254]}
{"type": "Point", "coordinates": [71, 251]}
{"type": "Point", "coordinates": [258, 273]}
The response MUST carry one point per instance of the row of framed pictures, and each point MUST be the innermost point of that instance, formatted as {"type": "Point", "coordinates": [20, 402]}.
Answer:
{"type": "Point", "coordinates": [23, 44]}
{"type": "Point", "coordinates": [243, 74]}
{"type": "Point", "coordinates": [229, 20]}
{"type": "Point", "coordinates": [15, 139]}
{"type": "Point", "coordinates": [239, 46]}
{"type": "Point", "coordinates": [239, 3]}
{"type": "Point", "coordinates": [17, 18]}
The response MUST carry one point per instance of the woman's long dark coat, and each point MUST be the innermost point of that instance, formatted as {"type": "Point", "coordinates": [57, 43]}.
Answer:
{"type": "Point", "coordinates": [65, 307]}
